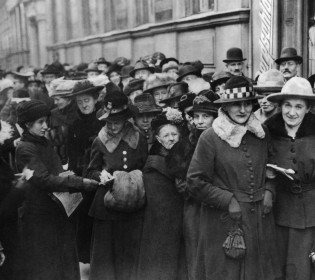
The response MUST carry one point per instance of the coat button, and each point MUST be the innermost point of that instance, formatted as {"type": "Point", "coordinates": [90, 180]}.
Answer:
{"type": "Point", "coordinates": [250, 168]}
{"type": "Point", "coordinates": [251, 176]}
{"type": "Point", "coordinates": [252, 184]}
{"type": "Point", "coordinates": [244, 142]}
{"type": "Point", "coordinates": [124, 159]}
{"type": "Point", "coordinates": [245, 149]}
{"type": "Point", "coordinates": [251, 197]}
{"type": "Point", "coordinates": [247, 155]}
{"type": "Point", "coordinates": [251, 190]}
{"type": "Point", "coordinates": [125, 166]}
{"type": "Point", "coordinates": [124, 152]}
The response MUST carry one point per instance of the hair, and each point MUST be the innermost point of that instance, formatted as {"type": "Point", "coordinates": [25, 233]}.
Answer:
{"type": "Point", "coordinates": [309, 103]}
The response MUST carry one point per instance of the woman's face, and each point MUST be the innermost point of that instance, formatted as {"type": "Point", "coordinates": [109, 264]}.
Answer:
{"type": "Point", "coordinates": [267, 106]}
{"type": "Point", "coordinates": [293, 111]}
{"type": "Point", "coordinates": [143, 121]}
{"type": "Point", "coordinates": [160, 94]}
{"type": "Point", "coordinates": [86, 103]}
{"type": "Point", "coordinates": [115, 78]}
{"type": "Point", "coordinates": [61, 102]}
{"type": "Point", "coordinates": [203, 120]}
{"type": "Point", "coordinates": [240, 111]}
{"type": "Point", "coordinates": [39, 127]}
{"type": "Point", "coordinates": [115, 127]}
{"type": "Point", "coordinates": [168, 136]}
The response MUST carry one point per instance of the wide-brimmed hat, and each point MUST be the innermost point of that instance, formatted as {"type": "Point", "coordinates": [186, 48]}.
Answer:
{"type": "Point", "coordinates": [270, 81]}
{"type": "Point", "coordinates": [234, 55]}
{"type": "Point", "coordinates": [185, 103]}
{"type": "Point", "coordinates": [175, 91]}
{"type": "Point", "coordinates": [30, 111]}
{"type": "Point", "coordinates": [93, 68]}
{"type": "Point", "coordinates": [133, 85]}
{"type": "Point", "coordinates": [167, 60]}
{"type": "Point", "coordinates": [296, 87]}
{"type": "Point", "coordinates": [238, 88]}
{"type": "Point", "coordinates": [219, 77]}
{"type": "Point", "coordinates": [102, 60]}
{"type": "Point", "coordinates": [85, 87]}
{"type": "Point", "coordinates": [289, 54]}
{"type": "Point", "coordinates": [167, 116]}
{"type": "Point", "coordinates": [187, 70]}
{"type": "Point", "coordinates": [116, 106]}
{"type": "Point", "coordinates": [141, 65]}
{"type": "Point", "coordinates": [145, 104]}
{"type": "Point", "coordinates": [203, 103]}
{"type": "Point", "coordinates": [62, 88]}
{"type": "Point", "coordinates": [24, 73]}
{"type": "Point", "coordinates": [50, 69]}
{"type": "Point", "coordinates": [157, 80]}
{"type": "Point", "coordinates": [126, 70]}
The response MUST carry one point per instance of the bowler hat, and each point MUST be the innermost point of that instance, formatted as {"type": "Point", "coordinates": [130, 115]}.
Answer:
{"type": "Point", "coordinates": [175, 91]}
{"type": "Point", "coordinates": [85, 87]}
{"type": "Point", "coordinates": [141, 65]}
{"type": "Point", "coordinates": [102, 60]}
{"type": "Point", "coordinates": [270, 81]}
{"type": "Point", "coordinates": [145, 104]}
{"type": "Point", "coordinates": [219, 77]}
{"type": "Point", "coordinates": [238, 88]}
{"type": "Point", "coordinates": [133, 85]}
{"type": "Point", "coordinates": [296, 87]}
{"type": "Point", "coordinates": [50, 69]}
{"type": "Point", "coordinates": [289, 54]}
{"type": "Point", "coordinates": [187, 70]}
{"type": "Point", "coordinates": [233, 55]}
{"type": "Point", "coordinates": [30, 111]}
{"type": "Point", "coordinates": [92, 68]}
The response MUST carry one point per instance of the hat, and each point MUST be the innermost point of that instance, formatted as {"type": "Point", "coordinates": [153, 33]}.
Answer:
{"type": "Point", "coordinates": [141, 65]}
{"type": "Point", "coordinates": [24, 73]}
{"type": "Point", "coordinates": [167, 116]}
{"type": "Point", "coordinates": [166, 60]}
{"type": "Point", "coordinates": [238, 88]}
{"type": "Point", "coordinates": [126, 70]}
{"type": "Point", "coordinates": [85, 87]}
{"type": "Point", "coordinates": [31, 111]}
{"type": "Point", "coordinates": [76, 75]}
{"type": "Point", "coordinates": [296, 87]}
{"type": "Point", "coordinates": [270, 81]}
{"type": "Point", "coordinates": [133, 85]}
{"type": "Point", "coordinates": [61, 87]}
{"type": "Point", "coordinates": [121, 61]}
{"type": "Point", "coordinates": [158, 56]}
{"type": "Point", "coordinates": [145, 104]}
{"type": "Point", "coordinates": [186, 102]}
{"type": "Point", "coordinates": [204, 102]}
{"type": "Point", "coordinates": [102, 60]}
{"type": "Point", "coordinates": [170, 65]}
{"type": "Point", "coordinates": [92, 68]}
{"type": "Point", "coordinates": [187, 70]}
{"type": "Point", "coordinates": [5, 84]}
{"type": "Point", "coordinates": [116, 106]}
{"type": "Point", "coordinates": [114, 68]}
{"type": "Point", "coordinates": [175, 91]}
{"type": "Point", "coordinates": [50, 69]}
{"type": "Point", "coordinates": [233, 55]}
{"type": "Point", "coordinates": [219, 77]}
{"type": "Point", "coordinates": [289, 54]}
{"type": "Point", "coordinates": [158, 80]}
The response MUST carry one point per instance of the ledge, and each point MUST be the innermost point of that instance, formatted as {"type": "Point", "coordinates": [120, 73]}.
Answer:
{"type": "Point", "coordinates": [194, 22]}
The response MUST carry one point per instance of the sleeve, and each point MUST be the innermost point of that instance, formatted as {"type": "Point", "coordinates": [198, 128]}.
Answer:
{"type": "Point", "coordinates": [143, 144]}
{"type": "Point", "coordinates": [96, 161]}
{"type": "Point", "coordinates": [27, 155]}
{"type": "Point", "coordinates": [200, 176]}
{"type": "Point", "coordinates": [72, 148]}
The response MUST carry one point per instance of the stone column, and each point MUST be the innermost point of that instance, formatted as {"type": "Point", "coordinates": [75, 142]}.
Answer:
{"type": "Point", "coordinates": [42, 46]}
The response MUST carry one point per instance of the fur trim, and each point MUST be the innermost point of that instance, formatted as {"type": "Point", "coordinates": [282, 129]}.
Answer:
{"type": "Point", "coordinates": [158, 80]}
{"type": "Point", "coordinates": [169, 65]}
{"type": "Point", "coordinates": [5, 131]}
{"type": "Point", "coordinates": [233, 133]}
{"type": "Point", "coordinates": [198, 85]}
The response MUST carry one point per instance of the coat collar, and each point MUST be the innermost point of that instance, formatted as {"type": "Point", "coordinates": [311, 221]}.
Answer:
{"type": "Point", "coordinates": [275, 125]}
{"type": "Point", "coordinates": [232, 133]}
{"type": "Point", "coordinates": [130, 134]}
{"type": "Point", "coordinates": [28, 137]}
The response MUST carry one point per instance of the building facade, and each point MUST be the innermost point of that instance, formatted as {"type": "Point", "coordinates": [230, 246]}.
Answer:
{"type": "Point", "coordinates": [35, 32]}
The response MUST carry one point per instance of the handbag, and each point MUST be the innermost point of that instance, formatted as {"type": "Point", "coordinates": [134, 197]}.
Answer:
{"type": "Point", "coordinates": [234, 245]}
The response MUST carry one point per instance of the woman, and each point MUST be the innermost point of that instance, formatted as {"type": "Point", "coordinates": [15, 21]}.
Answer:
{"type": "Point", "coordinates": [162, 251]}
{"type": "Point", "coordinates": [227, 175]}
{"type": "Point", "coordinates": [119, 146]}
{"type": "Point", "coordinates": [47, 233]}
{"type": "Point", "coordinates": [292, 134]}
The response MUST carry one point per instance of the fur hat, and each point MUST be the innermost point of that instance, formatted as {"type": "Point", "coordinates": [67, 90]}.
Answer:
{"type": "Point", "coordinates": [133, 85]}
{"type": "Point", "coordinates": [141, 65]}
{"type": "Point", "coordinates": [30, 111]}
{"type": "Point", "coordinates": [158, 80]}
{"type": "Point", "coordinates": [170, 65]}
{"type": "Point", "coordinates": [85, 87]}
{"type": "Point", "coordinates": [289, 54]}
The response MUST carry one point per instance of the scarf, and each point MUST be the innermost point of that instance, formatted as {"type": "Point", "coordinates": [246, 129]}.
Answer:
{"type": "Point", "coordinates": [130, 134]}
{"type": "Point", "coordinates": [232, 133]}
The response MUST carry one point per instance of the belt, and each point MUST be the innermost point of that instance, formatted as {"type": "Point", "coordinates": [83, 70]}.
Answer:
{"type": "Point", "coordinates": [300, 188]}
{"type": "Point", "coordinates": [243, 196]}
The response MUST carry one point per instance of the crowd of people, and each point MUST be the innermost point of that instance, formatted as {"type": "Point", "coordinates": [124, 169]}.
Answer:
{"type": "Point", "coordinates": [157, 170]}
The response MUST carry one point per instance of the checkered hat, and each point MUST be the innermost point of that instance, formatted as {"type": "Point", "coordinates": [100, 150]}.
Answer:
{"type": "Point", "coordinates": [238, 88]}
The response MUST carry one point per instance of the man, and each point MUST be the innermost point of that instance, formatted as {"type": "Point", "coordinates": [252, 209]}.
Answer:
{"type": "Point", "coordinates": [142, 70]}
{"type": "Point", "coordinates": [103, 64]}
{"type": "Point", "coordinates": [92, 70]}
{"type": "Point", "coordinates": [289, 63]}
{"type": "Point", "coordinates": [234, 61]}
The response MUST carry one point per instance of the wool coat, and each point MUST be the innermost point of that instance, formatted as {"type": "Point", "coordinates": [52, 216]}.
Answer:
{"type": "Point", "coordinates": [294, 207]}
{"type": "Point", "coordinates": [47, 234]}
{"type": "Point", "coordinates": [162, 253]}
{"type": "Point", "coordinates": [217, 173]}
{"type": "Point", "coordinates": [116, 235]}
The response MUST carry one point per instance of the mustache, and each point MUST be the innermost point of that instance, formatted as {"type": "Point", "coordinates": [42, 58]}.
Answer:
{"type": "Point", "coordinates": [287, 71]}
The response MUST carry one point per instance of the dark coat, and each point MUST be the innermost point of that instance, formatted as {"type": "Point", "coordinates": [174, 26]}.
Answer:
{"type": "Point", "coordinates": [216, 173]}
{"type": "Point", "coordinates": [162, 247]}
{"type": "Point", "coordinates": [47, 234]}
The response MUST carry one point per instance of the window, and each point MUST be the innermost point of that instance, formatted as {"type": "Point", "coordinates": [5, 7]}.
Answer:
{"type": "Point", "coordinates": [142, 12]}
{"type": "Point", "coordinates": [163, 10]}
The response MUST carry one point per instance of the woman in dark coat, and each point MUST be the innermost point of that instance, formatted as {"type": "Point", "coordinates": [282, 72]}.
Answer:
{"type": "Point", "coordinates": [162, 247]}
{"type": "Point", "coordinates": [46, 232]}
{"type": "Point", "coordinates": [293, 141]}
{"type": "Point", "coordinates": [119, 146]}
{"type": "Point", "coordinates": [227, 174]}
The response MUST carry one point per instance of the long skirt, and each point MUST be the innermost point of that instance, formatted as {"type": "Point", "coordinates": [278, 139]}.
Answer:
{"type": "Point", "coordinates": [294, 247]}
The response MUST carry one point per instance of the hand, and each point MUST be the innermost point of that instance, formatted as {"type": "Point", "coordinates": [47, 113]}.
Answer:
{"type": "Point", "coordinates": [267, 203]}
{"type": "Point", "coordinates": [2, 258]}
{"type": "Point", "coordinates": [105, 176]}
{"type": "Point", "coordinates": [16, 141]}
{"type": "Point", "coordinates": [90, 184]}
{"type": "Point", "coordinates": [235, 209]}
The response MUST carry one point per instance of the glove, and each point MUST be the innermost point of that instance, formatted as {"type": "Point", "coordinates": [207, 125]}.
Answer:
{"type": "Point", "coordinates": [90, 184]}
{"type": "Point", "coordinates": [2, 258]}
{"type": "Point", "coordinates": [267, 203]}
{"type": "Point", "coordinates": [235, 209]}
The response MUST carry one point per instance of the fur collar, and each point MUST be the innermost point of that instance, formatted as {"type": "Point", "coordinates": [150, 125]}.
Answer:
{"type": "Point", "coordinates": [275, 125]}
{"type": "Point", "coordinates": [232, 133]}
{"type": "Point", "coordinates": [130, 134]}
